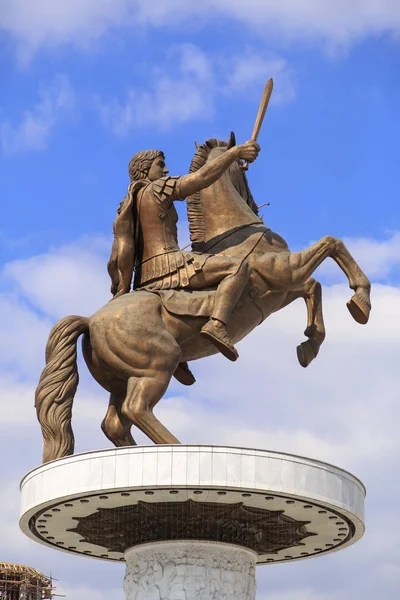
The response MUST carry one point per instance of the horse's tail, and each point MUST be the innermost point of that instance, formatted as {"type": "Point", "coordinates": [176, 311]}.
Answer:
{"type": "Point", "coordinates": [57, 387]}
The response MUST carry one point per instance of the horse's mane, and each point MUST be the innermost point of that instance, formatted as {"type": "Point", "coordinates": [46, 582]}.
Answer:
{"type": "Point", "coordinates": [194, 206]}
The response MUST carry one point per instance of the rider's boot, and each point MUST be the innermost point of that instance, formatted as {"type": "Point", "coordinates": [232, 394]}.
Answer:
{"type": "Point", "coordinates": [215, 331]}
{"type": "Point", "coordinates": [228, 293]}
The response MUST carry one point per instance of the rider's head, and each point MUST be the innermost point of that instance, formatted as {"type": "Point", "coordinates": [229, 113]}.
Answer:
{"type": "Point", "coordinates": [148, 164]}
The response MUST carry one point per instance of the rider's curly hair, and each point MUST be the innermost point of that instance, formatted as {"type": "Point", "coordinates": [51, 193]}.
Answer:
{"type": "Point", "coordinates": [140, 163]}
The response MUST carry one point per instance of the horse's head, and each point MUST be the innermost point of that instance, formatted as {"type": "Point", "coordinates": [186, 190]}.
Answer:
{"type": "Point", "coordinates": [223, 205]}
{"type": "Point", "coordinates": [237, 172]}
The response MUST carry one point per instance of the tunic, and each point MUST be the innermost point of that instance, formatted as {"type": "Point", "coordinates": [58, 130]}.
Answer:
{"type": "Point", "coordinates": [160, 263]}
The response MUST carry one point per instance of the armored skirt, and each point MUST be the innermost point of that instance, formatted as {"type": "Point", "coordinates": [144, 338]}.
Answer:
{"type": "Point", "coordinates": [170, 270]}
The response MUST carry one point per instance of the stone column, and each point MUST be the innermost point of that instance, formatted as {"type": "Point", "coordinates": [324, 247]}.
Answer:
{"type": "Point", "coordinates": [190, 570]}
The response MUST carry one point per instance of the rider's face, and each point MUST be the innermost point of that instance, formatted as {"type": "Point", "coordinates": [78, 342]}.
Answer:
{"type": "Point", "coordinates": [158, 169]}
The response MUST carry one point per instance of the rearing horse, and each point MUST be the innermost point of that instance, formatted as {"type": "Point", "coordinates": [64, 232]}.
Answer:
{"type": "Point", "coordinates": [134, 344]}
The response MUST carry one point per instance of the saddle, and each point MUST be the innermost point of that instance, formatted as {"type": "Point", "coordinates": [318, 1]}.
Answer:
{"type": "Point", "coordinates": [198, 303]}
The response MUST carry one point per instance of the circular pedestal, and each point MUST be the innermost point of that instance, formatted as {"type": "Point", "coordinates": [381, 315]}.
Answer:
{"type": "Point", "coordinates": [186, 570]}
{"type": "Point", "coordinates": [278, 506]}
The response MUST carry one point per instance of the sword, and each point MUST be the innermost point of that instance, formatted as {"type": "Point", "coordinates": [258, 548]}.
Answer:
{"type": "Point", "coordinates": [261, 113]}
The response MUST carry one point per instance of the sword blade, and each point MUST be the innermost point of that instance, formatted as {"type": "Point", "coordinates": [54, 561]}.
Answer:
{"type": "Point", "coordinates": [263, 108]}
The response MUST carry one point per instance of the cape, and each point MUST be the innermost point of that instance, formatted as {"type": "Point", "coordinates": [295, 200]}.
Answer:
{"type": "Point", "coordinates": [121, 263]}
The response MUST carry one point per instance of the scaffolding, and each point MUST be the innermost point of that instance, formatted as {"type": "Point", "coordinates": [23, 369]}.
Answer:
{"type": "Point", "coordinates": [24, 583]}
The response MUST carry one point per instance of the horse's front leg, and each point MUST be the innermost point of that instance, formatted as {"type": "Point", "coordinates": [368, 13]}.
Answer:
{"type": "Point", "coordinates": [311, 291]}
{"type": "Point", "coordinates": [303, 264]}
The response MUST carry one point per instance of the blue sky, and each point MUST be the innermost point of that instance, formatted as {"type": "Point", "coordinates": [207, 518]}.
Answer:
{"type": "Point", "coordinates": [328, 143]}
{"type": "Point", "coordinates": [85, 85]}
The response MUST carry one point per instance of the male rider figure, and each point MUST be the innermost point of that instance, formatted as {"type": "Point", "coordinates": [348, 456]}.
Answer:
{"type": "Point", "coordinates": [146, 238]}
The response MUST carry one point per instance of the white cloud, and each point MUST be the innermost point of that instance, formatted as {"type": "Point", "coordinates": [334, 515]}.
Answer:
{"type": "Point", "coordinates": [86, 592]}
{"type": "Point", "coordinates": [36, 126]}
{"type": "Point", "coordinates": [71, 279]}
{"type": "Point", "coordinates": [377, 258]}
{"type": "Point", "coordinates": [296, 594]}
{"type": "Point", "coordinates": [81, 22]}
{"type": "Point", "coordinates": [250, 67]}
{"type": "Point", "coordinates": [17, 401]}
{"type": "Point", "coordinates": [176, 94]}
{"type": "Point", "coordinates": [22, 333]}
{"type": "Point", "coordinates": [46, 23]}
{"type": "Point", "coordinates": [188, 84]}
{"type": "Point", "coordinates": [336, 21]}
{"type": "Point", "coordinates": [15, 541]}
{"type": "Point", "coordinates": [343, 408]}
{"type": "Point", "coordinates": [295, 410]}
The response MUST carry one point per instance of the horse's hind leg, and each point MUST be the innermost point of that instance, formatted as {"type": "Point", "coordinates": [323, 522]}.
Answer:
{"type": "Point", "coordinates": [115, 425]}
{"type": "Point", "coordinates": [143, 393]}
{"type": "Point", "coordinates": [303, 264]}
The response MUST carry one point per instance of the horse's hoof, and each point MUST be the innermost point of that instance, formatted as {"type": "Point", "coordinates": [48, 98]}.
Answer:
{"type": "Point", "coordinates": [359, 309]}
{"type": "Point", "coordinates": [307, 351]}
{"type": "Point", "coordinates": [184, 375]}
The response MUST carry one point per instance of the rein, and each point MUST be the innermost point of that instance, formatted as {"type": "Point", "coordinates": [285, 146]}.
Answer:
{"type": "Point", "coordinates": [229, 233]}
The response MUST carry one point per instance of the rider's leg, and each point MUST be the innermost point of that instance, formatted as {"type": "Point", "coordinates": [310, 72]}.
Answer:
{"type": "Point", "coordinates": [231, 275]}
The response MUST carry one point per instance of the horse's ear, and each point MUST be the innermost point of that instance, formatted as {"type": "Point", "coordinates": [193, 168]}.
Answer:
{"type": "Point", "coordinates": [232, 141]}
{"type": "Point", "coordinates": [197, 145]}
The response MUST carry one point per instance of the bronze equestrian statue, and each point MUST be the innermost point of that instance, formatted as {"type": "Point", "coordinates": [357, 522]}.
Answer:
{"type": "Point", "coordinates": [185, 305]}
{"type": "Point", "coordinates": [148, 213]}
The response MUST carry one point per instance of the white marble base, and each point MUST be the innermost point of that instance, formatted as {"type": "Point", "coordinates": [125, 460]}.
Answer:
{"type": "Point", "coordinates": [189, 571]}
{"type": "Point", "coordinates": [60, 498]}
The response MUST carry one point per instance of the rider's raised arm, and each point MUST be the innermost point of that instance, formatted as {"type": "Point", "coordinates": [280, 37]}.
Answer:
{"type": "Point", "coordinates": [211, 171]}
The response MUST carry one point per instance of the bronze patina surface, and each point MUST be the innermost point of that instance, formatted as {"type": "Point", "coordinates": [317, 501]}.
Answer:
{"type": "Point", "coordinates": [184, 305]}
